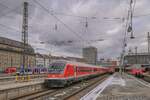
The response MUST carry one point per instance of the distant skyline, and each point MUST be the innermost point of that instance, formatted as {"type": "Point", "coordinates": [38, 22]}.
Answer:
{"type": "Point", "coordinates": [42, 25]}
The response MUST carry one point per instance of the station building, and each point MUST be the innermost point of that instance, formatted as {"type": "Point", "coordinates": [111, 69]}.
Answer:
{"type": "Point", "coordinates": [137, 58]}
{"type": "Point", "coordinates": [11, 54]}
{"type": "Point", "coordinates": [90, 55]}
{"type": "Point", "coordinates": [42, 60]}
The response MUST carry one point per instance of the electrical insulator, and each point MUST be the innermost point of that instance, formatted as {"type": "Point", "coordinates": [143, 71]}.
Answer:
{"type": "Point", "coordinates": [125, 44]}
{"type": "Point", "coordinates": [55, 26]}
{"type": "Point", "coordinates": [131, 1]}
{"type": "Point", "coordinates": [129, 29]}
{"type": "Point", "coordinates": [86, 25]}
{"type": "Point", "coordinates": [132, 37]}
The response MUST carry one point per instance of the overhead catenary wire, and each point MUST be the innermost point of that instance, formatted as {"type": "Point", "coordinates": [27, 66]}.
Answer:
{"type": "Point", "coordinates": [106, 18]}
{"type": "Point", "coordinates": [5, 15]}
{"type": "Point", "coordinates": [10, 11]}
{"type": "Point", "coordinates": [142, 15]}
{"type": "Point", "coordinates": [64, 14]}
{"type": "Point", "coordinates": [84, 16]}
{"type": "Point", "coordinates": [49, 13]}
{"type": "Point", "coordinates": [134, 3]}
{"type": "Point", "coordinates": [92, 17]}
{"type": "Point", "coordinates": [15, 10]}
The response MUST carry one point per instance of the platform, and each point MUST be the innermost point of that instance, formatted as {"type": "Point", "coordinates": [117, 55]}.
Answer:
{"type": "Point", "coordinates": [120, 87]}
{"type": "Point", "coordinates": [15, 89]}
{"type": "Point", "coordinates": [20, 84]}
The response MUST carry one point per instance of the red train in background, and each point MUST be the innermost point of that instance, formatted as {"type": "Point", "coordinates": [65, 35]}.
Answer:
{"type": "Point", "coordinates": [10, 70]}
{"type": "Point", "coordinates": [62, 73]}
{"type": "Point", "coordinates": [136, 70]}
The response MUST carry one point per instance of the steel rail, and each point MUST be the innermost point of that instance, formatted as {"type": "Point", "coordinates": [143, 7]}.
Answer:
{"type": "Point", "coordinates": [53, 92]}
{"type": "Point", "coordinates": [86, 87]}
{"type": "Point", "coordinates": [33, 95]}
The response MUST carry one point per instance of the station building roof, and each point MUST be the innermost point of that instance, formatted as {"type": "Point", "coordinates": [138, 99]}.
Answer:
{"type": "Point", "coordinates": [14, 43]}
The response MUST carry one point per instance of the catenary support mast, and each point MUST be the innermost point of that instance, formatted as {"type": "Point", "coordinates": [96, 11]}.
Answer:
{"type": "Point", "coordinates": [25, 34]}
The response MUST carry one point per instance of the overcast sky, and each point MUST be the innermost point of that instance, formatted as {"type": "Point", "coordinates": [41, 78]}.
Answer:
{"type": "Point", "coordinates": [42, 25]}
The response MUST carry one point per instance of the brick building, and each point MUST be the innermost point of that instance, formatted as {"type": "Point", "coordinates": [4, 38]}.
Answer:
{"type": "Point", "coordinates": [42, 60]}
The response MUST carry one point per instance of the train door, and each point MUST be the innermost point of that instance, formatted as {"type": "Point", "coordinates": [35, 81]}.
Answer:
{"type": "Point", "coordinates": [75, 71]}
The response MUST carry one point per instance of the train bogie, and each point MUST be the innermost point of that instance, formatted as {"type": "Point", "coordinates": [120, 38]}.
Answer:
{"type": "Point", "coordinates": [55, 82]}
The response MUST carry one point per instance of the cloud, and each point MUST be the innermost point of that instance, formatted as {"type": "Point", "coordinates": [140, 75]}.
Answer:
{"type": "Point", "coordinates": [114, 30]}
{"type": "Point", "coordinates": [42, 25]}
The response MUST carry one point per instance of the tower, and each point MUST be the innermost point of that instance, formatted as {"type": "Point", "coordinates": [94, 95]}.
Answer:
{"type": "Point", "coordinates": [90, 54]}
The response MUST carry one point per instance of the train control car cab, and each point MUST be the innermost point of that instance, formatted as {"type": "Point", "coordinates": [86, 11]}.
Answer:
{"type": "Point", "coordinates": [56, 74]}
{"type": "Point", "coordinates": [62, 73]}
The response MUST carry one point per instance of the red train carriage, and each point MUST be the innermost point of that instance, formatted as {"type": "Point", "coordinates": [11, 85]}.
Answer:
{"type": "Point", "coordinates": [61, 73]}
{"type": "Point", "coordinates": [10, 70]}
{"type": "Point", "coordinates": [110, 68]}
{"type": "Point", "coordinates": [136, 70]}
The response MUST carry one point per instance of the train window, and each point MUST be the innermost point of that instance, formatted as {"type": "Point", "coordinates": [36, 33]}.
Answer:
{"type": "Point", "coordinates": [56, 67]}
{"type": "Point", "coordinates": [84, 69]}
{"type": "Point", "coordinates": [95, 69]}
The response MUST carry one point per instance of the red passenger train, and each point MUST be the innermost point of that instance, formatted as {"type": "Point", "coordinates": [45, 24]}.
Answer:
{"type": "Point", "coordinates": [136, 69]}
{"type": "Point", "coordinates": [62, 73]}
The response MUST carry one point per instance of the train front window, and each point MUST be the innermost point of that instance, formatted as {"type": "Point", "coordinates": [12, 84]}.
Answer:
{"type": "Point", "coordinates": [56, 67]}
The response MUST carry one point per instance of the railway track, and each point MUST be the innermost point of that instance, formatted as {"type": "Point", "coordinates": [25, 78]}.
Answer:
{"type": "Point", "coordinates": [82, 91]}
{"type": "Point", "coordinates": [145, 78]}
{"type": "Point", "coordinates": [67, 93]}
{"type": "Point", "coordinates": [34, 95]}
